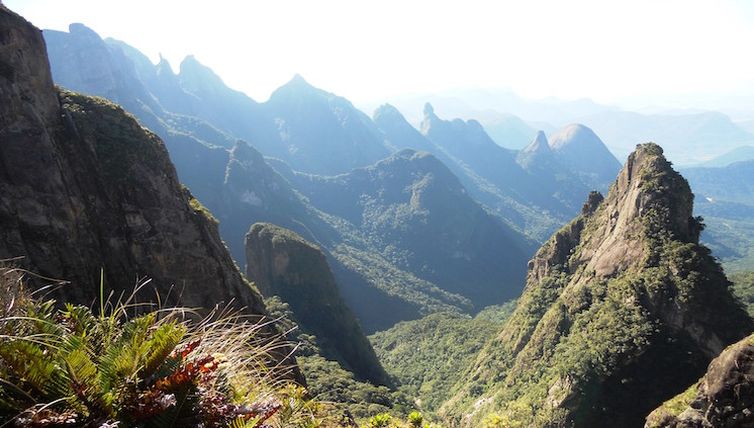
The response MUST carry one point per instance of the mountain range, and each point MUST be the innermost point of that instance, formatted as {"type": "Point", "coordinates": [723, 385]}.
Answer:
{"type": "Point", "coordinates": [301, 130]}
{"type": "Point", "coordinates": [350, 225]}
{"type": "Point", "coordinates": [689, 137]}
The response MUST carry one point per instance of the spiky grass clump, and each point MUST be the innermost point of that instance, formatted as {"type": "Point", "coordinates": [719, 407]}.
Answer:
{"type": "Point", "coordinates": [135, 365]}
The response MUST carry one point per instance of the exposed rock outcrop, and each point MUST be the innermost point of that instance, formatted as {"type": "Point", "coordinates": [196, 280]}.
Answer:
{"type": "Point", "coordinates": [724, 397]}
{"type": "Point", "coordinates": [84, 189]}
{"type": "Point", "coordinates": [283, 264]}
{"type": "Point", "coordinates": [621, 307]}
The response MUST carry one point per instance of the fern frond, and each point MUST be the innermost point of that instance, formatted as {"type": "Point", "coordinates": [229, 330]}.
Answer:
{"type": "Point", "coordinates": [160, 345]}
{"type": "Point", "coordinates": [83, 379]}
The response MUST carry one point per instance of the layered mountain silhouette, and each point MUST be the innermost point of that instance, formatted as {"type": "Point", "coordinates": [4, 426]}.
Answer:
{"type": "Point", "coordinates": [688, 137]}
{"type": "Point", "coordinates": [621, 306]}
{"type": "Point", "coordinates": [321, 132]}
{"type": "Point", "coordinates": [360, 218]}
{"type": "Point", "coordinates": [412, 208]}
{"type": "Point", "coordinates": [730, 183]}
{"type": "Point", "coordinates": [311, 130]}
{"type": "Point", "coordinates": [400, 134]}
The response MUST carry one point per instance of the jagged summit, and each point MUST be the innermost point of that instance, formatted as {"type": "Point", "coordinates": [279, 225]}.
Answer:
{"type": "Point", "coordinates": [163, 65]}
{"type": "Point", "coordinates": [621, 305]}
{"type": "Point", "coordinates": [386, 112]}
{"type": "Point", "coordinates": [646, 186]}
{"type": "Point", "coordinates": [82, 30]}
{"type": "Point", "coordinates": [320, 132]}
{"type": "Point", "coordinates": [538, 145]}
{"type": "Point", "coordinates": [429, 111]}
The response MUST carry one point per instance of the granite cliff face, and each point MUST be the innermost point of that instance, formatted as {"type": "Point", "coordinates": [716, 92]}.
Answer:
{"type": "Point", "coordinates": [84, 188]}
{"type": "Point", "coordinates": [723, 397]}
{"type": "Point", "coordinates": [621, 306]}
{"type": "Point", "coordinates": [283, 264]}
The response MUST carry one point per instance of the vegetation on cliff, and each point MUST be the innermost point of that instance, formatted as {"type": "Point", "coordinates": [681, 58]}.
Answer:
{"type": "Point", "coordinates": [282, 263]}
{"type": "Point", "coordinates": [621, 304]}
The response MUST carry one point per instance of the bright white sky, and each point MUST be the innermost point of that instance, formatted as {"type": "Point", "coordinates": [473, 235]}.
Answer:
{"type": "Point", "coordinates": [683, 53]}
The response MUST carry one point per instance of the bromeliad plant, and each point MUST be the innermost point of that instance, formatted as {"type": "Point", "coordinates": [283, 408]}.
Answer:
{"type": "Point", "coordinates": [127, 367]}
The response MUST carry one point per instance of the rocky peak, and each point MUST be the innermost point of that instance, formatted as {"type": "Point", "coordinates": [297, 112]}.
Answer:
{"type": "Point", "coordinates": [648, 199]}
{"type": "Point", "coordinates": [538, 145]}
{"type": "Point", "coordinates": [284, 264]}
{"type": "Point", "coordinates": [163, 66]}
{"type": "Point", "coordinates": [537, 156]}
{"type": "Point", "coordinates": [298, 80]}
{"type": "Point", "coordinates": [25, 79]}
{"type": "Point", "coordinates": [387, 113]}
{"type": "Point", "coordinates": [83, 32]}
{"type": "Point", "coordinates": [593, 202]}
{"type": "Point", "coordinates": [628, 270]}
{"type": "Point", "coordinates": [430, 119]}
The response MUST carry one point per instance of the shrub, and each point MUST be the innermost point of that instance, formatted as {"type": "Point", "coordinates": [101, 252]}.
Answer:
{"type": "Point", "coordinates": [137, 365]}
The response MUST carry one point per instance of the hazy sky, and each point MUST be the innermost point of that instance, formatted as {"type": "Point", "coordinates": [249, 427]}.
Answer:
{"type": "Point", "coordinates": [637, 52]}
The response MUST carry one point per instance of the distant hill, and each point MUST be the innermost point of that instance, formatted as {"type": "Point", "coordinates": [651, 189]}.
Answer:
{"type": "Point", "coordinates": [584, 154]}
{"type": "Point", "coordinates": [553, 172]}
{"type": "Point", "coordinates": [726, 196]}
{"type": "Point", "coordinates": [415, 211]}
{"type": "Point", "coordinates": [530, 220]}
{"type": "Point", "coordinates": [687, 138]}
{"type": "Point", "coordinates": [731, 183]}
{"type": "Point", "coordinates": [469, 145]}
{"type": "Point", "coordinates": [321, 132]}
{"type": "Point", "coordinates": [738, 154]}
